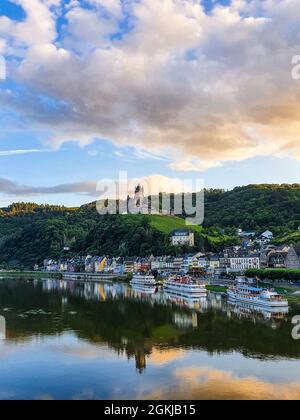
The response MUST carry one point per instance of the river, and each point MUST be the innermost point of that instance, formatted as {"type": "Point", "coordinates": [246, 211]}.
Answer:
{"type": "Point", "coordinates": [71, 340]}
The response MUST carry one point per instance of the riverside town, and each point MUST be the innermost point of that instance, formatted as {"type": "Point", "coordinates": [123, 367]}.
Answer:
{"type": "Point", "coordinates": [149, 203]}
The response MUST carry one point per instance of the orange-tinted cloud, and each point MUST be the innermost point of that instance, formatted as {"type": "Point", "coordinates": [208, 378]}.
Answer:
{"type": "Point", "coordinates": [204, 88]}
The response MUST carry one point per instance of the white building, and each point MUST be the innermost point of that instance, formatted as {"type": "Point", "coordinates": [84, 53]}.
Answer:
{"type": "Point", "coordinates": [267, 235]}
{"type": "Point", "coordinates": [245, 263]}
{"type": "Point", "coordinates": [182, 237]}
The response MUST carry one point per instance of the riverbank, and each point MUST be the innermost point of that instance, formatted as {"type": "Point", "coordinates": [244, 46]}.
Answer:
{"type": "Point", "coordinates": [217, 289]}
{"type": "Point", "coordinates": [288, 292]}
{"type": "Point", "coordinates": [94, 277]}
{"type": "Point", "coordinates": [32, 274]}
{"type": "Point", "coordinates": [275, 274]}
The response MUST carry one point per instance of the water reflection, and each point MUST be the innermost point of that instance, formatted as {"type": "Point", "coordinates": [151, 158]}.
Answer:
{"type": "Point", "coordinates": [108, 326]}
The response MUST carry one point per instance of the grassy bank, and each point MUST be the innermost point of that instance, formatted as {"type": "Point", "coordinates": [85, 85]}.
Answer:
{"type": "Point", "coordinates": [218, 289]}
{"type": "Point", "coordinates": [275, 274]}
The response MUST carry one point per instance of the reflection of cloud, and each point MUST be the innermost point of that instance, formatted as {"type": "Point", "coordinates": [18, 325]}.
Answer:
{"type": "Point", "coordinates": [162, 356]}
{"type": "Point", "coordinates": [87, 394]}
{"type": "Point", "coordinates": [45, 397]}
{"type": "Point", "coordinates": [204, 384]}
{"type": "Point", "coordinates": [85, 351]}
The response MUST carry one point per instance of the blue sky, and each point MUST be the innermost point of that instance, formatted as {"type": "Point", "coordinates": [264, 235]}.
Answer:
{"type": "Point", "coordinates": [94, 89]}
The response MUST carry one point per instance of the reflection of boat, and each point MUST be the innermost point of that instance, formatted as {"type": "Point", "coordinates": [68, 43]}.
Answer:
{"type": "Point", "coordinates": [186, 286]}
{"type": "Point", "coordinates": [143, 279]}
{"type": "Point", "coordinates": [142, 288]}
{"type": "Point", "coordinates": [186, 302]}
{"type": "Point", "coordinates": [246, 291]}
{"type": "Point", "coordinates": [248, 310]}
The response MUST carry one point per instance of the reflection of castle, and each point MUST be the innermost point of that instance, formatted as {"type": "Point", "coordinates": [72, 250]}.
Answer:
{"type": "Point", "coordinates": [140, 360]}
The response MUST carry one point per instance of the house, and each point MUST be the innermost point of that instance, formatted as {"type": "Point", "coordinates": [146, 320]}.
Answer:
{"type": "Point", "coordinates": [100, 264]}
{"type": "Point", "coordinates": [178, 264]}
{"type": "Point", "coordinates": [238, 259]}
{"type": "Point", "coordinates": [202, 261]}
{"type": "Point", "coordinates": [246, 234]}
{"type": "Point", "coordinates": [145, 265]}
{"type": "Point", "coordinates": [277, 257]}
{"type": "Point", "coordinates": [281, 257]}
{"type": "Point", "coordinates": [243, 263]}
{"type": "Point", "coordinates": [213, 262]}
{"type": "Point", "coordinates": [51, 265]}
{"type": "Point", "coordinates": [89, 264]}
{"type": "Point", "coordinates": [182, 237]}
{"type": "Point", "coordinates": [71, 266]}
{"type": "Point", "coordinates": [118, 266]}
{"type": "Point", "coordinates": [293, 257]}
{"type": "Point", "coordinates": [129, 265]}
{"type": "Point", "coordinates": [230, 253]}
{"type": "Point", "coordinates": [63, 266]}
{"type": "Point", "coordinates": [267, 236]}
{"type": "Point", "coordinates": [187, 262]}
{"type": "Point", "coordinates": [169, 263]}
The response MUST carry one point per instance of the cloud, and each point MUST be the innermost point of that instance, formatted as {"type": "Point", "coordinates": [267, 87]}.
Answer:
{"type": "Point", "coordinates": [13, 189]}
{"type": "Point", "coordinates": [23, 152]}
{"type": "Point", "coordinates": [208, 88]}
{"type": "Point", "coordinates": [153, 184]}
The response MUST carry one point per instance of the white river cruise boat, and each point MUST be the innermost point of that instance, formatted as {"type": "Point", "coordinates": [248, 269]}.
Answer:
{"type": "Point", "coordinates": [143, 280]}
{"type": "Point", "coordinates": [186, 287]}
{"type": "Point", "coordinates": [247, 291]}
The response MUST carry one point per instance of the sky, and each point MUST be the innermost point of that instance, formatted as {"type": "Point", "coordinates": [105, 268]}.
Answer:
{"type": "Point", "coordinates": [162, 89]}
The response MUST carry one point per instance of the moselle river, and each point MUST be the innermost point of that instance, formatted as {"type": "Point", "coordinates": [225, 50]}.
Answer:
{"type": "Point", "coordinates": [70, 340]}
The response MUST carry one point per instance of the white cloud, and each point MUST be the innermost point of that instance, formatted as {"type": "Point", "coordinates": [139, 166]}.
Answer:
{"type": "Point", "coordinates": [209, 88]}
{"type": "Point", "coordinates": [23, 152]}
{"type": "Point", "coordinates": [153, 185]}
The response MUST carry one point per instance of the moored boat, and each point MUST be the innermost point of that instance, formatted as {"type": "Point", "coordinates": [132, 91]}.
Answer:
{"type": "Point", "coordinates": [143, 279]}
{"type": "Point", "coordinates": [247, 291]}
{"type": "Point", "coordinates": [185, 286]}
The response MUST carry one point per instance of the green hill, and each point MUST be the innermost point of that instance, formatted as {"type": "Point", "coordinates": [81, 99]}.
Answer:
{"type": "Point", "coordinates": [167, 224]}
{"type": "Point", "coordinates": [255, 207]}
{"type": "Point", "coordinates": [290, 238]}
{"type": "Point", "coordinates": [30, 233]}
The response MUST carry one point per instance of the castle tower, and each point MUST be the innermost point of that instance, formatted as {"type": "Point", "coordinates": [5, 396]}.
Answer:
{"type": "Point", "coordinates": [139, 195]}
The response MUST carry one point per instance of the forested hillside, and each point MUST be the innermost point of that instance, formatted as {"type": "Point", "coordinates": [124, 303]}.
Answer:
{"type": "Point", "coordinates": [255, 207]}
{"type": "Point", "coordinates": [29, 233]}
